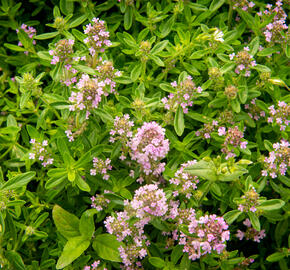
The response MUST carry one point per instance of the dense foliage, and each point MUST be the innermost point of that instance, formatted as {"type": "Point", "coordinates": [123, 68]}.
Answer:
{"type": "Point", "coordinates": [144, 134]}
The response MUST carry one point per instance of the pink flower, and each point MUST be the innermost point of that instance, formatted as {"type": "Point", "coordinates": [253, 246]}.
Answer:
{"type": "Point", "coordinates": [222, 131]}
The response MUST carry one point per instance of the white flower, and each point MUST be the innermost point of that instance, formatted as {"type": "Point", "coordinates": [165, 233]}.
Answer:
{"type": "Point", "coordinates": [218, 35]}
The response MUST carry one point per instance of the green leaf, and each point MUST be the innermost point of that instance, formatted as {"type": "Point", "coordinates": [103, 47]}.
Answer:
{"type": "Point", "coordinates": [156, 60]}
{"type": "Point", "coordinates": [198, 54]}
{"type": "Point", "coordinates": [126, 193]}
{"type": "Point", "coordinates": [231, 216]}
{"type": "Point", "coordinates": [198, 117]}
{"type": "Point", "coordinates": [72, 250]}
{"type": "Point", "coordinates": [81, 183]}
{"type": "Point", "coordinates": [123, 80]}
{"type": "Point", "coordinates": [84, 69]}
{"type": "Point", "coordinates": [76, 22]}
{"type": "Point", "coordinates": [66, 7]}
{"type": "Point", "coordinates": [159, 47]}
{"type": "Point", "coordinates": [227, 67]}
{"type": "Point", "coordinates": [255, 221]}
{"type": "Point", "coordinates": [261, 68]}
{"type": "Point", "coordinates": [275, 257]}
{"type": "Point", "coordinates": [105, 116]}
{"type": "Point", "coordinates": [273, 204]}
{"type": "Point", "coordinates": [46, 35]}
{"type": "Point", "coordinates": [106, 246]}
{"type": "Point", "coordinates": [167, 87]}
{"type": "Point", "coordinates": [196, 7]}
{"type": "Point", "coordinates": [24, 99]}
{"type": "Point", "coordinates": [203, 169]}
{"type": "Point", "coordinates": [128, 17]}
{"type": "Point", "coordinates": [14, 47]}
{"type": "Point", "coordinates": [287, 50]}
{"type": "Point", "coordinates": [235, 105]}
{"type": "Point", "coordinates": [15, 259]}
{"type": "Point", "coordinates": [249, 20]}
{"type": "Point", "coordinates": [179, 121]}
{"type": "Point", "coordinates": [176, 253]}
{"type": "Point", "coordinates": [136, 71]}
{"type": "Point", "coordinates": [157, 262]}
{"type": "Point", "coordinates": [79, 35]}
{"type": "Point", "coordinates": [215, 5]}
{"type": "Point", "coordinates": [268, 51]}
{"type": "Point", "coordinates": [44, 55]}
{"type": "Point", "coordinates": [268, 145]}
{"type": "Point", "coordinates": [191, 69]}
{"type": "Point", "coordinates": [166, 27]}
{"type": "Point", "coordinates": [18, 181]}
{"type": "Point", "coordinates": [87, 224]}
{"type": "Point", "coordinates": [254, 46]}
{"type": "Point", "coordinates": [66, 223]}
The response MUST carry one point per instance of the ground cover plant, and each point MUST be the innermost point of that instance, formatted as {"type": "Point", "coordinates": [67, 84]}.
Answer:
{"type": "Point", "coordinates": [144, 134]}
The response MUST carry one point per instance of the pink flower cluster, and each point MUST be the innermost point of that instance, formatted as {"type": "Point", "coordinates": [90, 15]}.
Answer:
{"type": "Point", "coordinates": [97, 36]}
{"type": "Point", "coordinates": [102, 167]}
{"type": "Point", "coordinates": [107, 73]}
{"type": "Point", "coordinates": [243, 4]}
{"type": "Point", "coordinates": [148, 147]}
{"type": "Point", "coordinates": [99, 202]}
{"type": "Point", "coordinates": [274, 30]}
{"type": "Point", "coordinates": [280, 116]}
{"type": "Point", "coordinates": [207, 129]}
{"type": "Point", "coordinates": [94, 266]}
{"type": "Point", "coordinates": [148, 202]}
{"type": "Point", "coordinates": [122, 132]}
{"type": "Point", "coordinates": [254, 111]}
{"type": "Point", "coordinates": [30, 31]}
{"type": "Point", "coordinates": [249, 201]}
{"type": "Point", "coordinates": [186, 91]}
{"type": "Point", "coordinates": [40, 153]}
{"type": "Point", "coordinates": [244, 61]}
{"type": "Point", "coordinates": [251, 233]}
{"type": "Point", "coordinates": [184, 183]}
{"type": "Point", "coordinates": [208, 233]}
{"type": "Point", "coordinates": [63, 51]}
{"type": "Point", "coordinates": [89, 96]}
{"type": "Point", "coordinates": [278, 160]}
{"type": "Point", "coordinates": [233, 139]}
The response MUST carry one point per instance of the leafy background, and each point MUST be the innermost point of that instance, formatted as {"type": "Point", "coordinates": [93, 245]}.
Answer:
{"type": "Point", "coordinates": [45, 218]}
